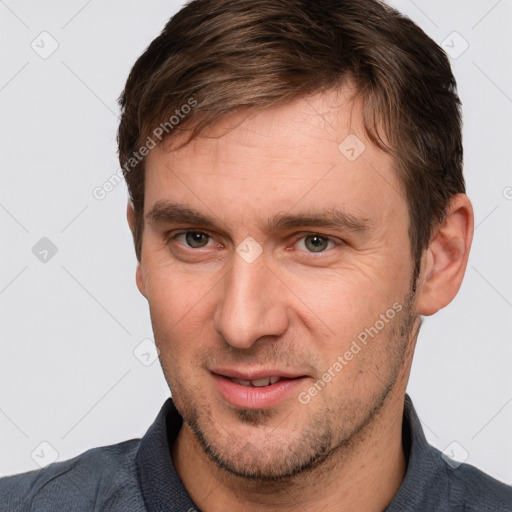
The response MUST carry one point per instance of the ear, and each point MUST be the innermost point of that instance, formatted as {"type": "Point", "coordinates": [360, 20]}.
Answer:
{"type": "Point", "coordinates": [139, 278]}
{"type": "Point", "coordinates": [445, 260]}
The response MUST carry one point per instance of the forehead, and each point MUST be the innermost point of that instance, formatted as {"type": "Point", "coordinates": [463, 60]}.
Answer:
{"type": "Point", "coordinates": [308, 154]}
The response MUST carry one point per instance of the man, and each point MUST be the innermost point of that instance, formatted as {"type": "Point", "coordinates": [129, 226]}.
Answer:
{"type": "Point", "coordinates": [297, 204]}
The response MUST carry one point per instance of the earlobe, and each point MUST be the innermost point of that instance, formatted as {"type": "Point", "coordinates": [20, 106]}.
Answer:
{"type": "Point", "coordinates": [445, 260]}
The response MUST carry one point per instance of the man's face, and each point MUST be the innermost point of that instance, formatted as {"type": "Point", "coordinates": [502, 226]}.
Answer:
{"type": "Point", "coordinates": [324, 310]}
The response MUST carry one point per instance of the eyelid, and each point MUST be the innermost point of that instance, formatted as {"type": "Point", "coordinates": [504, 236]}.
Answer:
{"type": "Point", "coordinates": [173, 235]}
{"type": "Point", "coordinates": [336, 241]}
{"type": "Point", "coordinates": [297, 237]}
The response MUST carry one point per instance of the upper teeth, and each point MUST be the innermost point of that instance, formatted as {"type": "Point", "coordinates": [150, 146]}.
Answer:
{"type": "Point", "coordinates": [265, 381]}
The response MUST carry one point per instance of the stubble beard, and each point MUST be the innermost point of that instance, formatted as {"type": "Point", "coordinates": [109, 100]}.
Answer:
{"type": "Point", "coordinates": [320, 439]}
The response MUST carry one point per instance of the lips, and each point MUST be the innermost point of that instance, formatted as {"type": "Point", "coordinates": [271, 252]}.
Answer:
{"type": "Point", "coordinates": [261, 389]}
{"type": "Point", "coordinates": [258, 383]}
{"type": "Point", "coordinates": [251, 375]}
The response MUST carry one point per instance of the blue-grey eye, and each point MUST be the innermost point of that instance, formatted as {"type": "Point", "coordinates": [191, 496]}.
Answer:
{"type": "Point", "coordinates": [316, 243]}
{"type": "Point", "coordinates": [196, 239]}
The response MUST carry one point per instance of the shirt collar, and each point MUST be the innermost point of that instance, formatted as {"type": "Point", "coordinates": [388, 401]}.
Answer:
{"type": "Point", "coordinates": [424, 466]}
{"type": "Point", "coordinates": [163, 490]}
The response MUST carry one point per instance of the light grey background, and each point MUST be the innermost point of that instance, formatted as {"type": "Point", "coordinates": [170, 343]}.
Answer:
{"type": "Point", "coordinates": [73, 374]}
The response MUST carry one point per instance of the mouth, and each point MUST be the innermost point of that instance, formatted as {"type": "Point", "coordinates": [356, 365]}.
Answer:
{"type": "Point", "coordinates": [256, 390]}
{"type": "Point", "coordinates": [259, 383]}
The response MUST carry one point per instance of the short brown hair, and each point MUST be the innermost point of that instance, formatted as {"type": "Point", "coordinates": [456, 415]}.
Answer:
{"type": "Point", "coordinates": [229, 55]}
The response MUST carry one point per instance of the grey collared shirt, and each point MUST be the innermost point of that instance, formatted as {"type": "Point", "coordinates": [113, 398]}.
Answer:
{"type": "Point", "coordinates": [139, 476]}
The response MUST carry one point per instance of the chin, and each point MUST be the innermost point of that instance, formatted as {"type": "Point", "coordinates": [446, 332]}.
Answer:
{"type": "Point", "coordinates": [259, 461]}
{"type": "Point", "coordinates": [255, 447]}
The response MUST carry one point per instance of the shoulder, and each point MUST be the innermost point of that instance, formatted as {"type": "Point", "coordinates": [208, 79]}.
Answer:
{"type": "Point", "coordinates": [478, 491]}
{"type": "Point", "coordinates": [103, 478]}
{"type": "Point", "coordinates": [434, 481]}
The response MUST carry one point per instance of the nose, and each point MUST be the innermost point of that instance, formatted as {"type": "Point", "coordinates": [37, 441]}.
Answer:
{"type": "Point", "coordinates": [252, 304]}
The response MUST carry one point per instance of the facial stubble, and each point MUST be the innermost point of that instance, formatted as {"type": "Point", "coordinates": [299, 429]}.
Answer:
{"type": "Point", "coordinates": [271, 460]}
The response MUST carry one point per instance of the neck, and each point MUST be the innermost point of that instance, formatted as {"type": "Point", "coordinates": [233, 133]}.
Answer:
{"type": "Point", "coordinates": [362, 476]}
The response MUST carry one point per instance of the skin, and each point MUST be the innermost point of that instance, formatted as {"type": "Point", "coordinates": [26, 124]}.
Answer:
{"type": "Point", "coordinates": [291, 308]}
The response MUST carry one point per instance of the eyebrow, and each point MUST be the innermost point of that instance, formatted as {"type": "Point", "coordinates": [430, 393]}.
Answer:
{"type": "Point", "coordinates": [165, 212]}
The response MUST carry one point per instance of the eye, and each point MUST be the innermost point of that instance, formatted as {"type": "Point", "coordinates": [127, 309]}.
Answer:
{"type": "Point", "coordinates": [193, 239]}
{"type": "Point", "coordinates": [310, 243]}
{"type": "Point", "coordinates": [315, 243]}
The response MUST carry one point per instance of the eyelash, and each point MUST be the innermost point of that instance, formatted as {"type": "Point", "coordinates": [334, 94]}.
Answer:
{"type": "Point", "coordinates": [304, 235]}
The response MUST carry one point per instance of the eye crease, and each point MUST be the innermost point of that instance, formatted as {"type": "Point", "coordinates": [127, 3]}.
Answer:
{"type": "Point", "coordinates": [314, 242]}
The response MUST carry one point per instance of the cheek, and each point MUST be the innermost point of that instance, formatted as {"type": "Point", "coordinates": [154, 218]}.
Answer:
{"type": "Point", "coordinates": [345, 300]}
{"type": "Point", "coordinates": [177, 306]}
{"type": "Point", "coordinates": [355, 318]}
{"type": "Point", "coordinates": [181, 307]}
{"type": "Point", "coordinates": [180, 331]}
{"type": "Point", "coordinates": [172, 290]}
